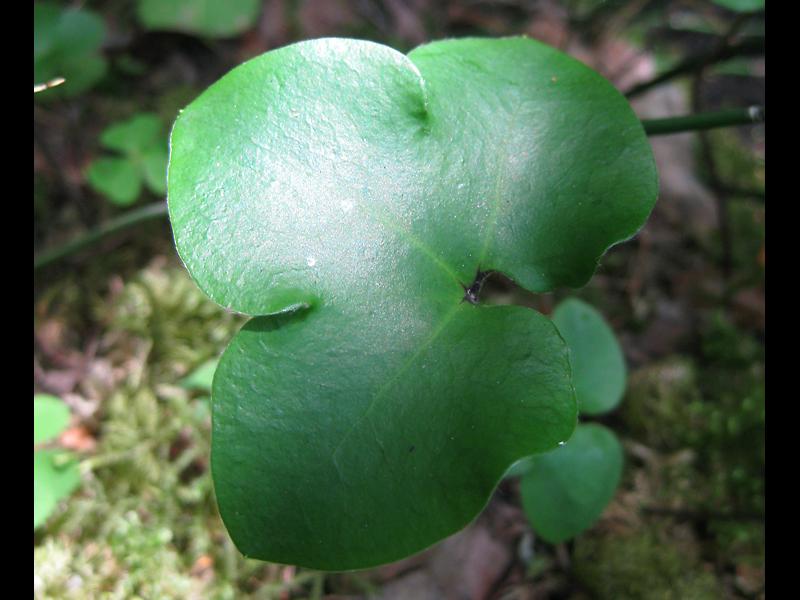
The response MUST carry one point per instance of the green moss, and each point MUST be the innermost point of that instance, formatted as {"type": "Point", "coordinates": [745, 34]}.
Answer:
{"type": "Point", "coordinates": [163, 308]}
{"type": "Point", "coordinates": [737, 165]}
{"type": "Point", "coordinates": [641, 566]}
{"type": "Point", "coordinates": [731, 446]}
{"type": "Point", "coordinates": [706, 420]}
{"type": "Point", "coordinates": [663, 403]}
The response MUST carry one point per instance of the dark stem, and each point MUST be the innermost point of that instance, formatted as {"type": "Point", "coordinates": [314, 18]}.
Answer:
{"type": "Point", "coordinates": [707, 150]}
{"type": "Point", "coordinates": [150, 212]}
{"type": "Point", "coordinates": [701, 121]}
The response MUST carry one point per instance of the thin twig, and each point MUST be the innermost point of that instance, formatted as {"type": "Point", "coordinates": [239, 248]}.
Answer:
{"type": "Point", "coordinates": [150, 212]}
{"type": "Point", "coordinates": [692, 64]}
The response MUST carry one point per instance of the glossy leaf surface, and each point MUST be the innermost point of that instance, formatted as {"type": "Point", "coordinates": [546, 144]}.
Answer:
{"type": "Point", "coordinates": [565, 491]}
{"type": "Point", "coordinates": [352, 193]}
{"type": "Point", "coordinates": [210, 18]}
{"type": "Point", "coordinates": [598, 365]}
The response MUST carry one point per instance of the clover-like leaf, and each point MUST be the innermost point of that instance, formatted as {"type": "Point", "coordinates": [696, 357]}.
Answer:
{"type": "Point", "coordinates": [598, 366]}
{"type": "Point", "coordinates": [142, 147]}
{"type": "Point", "coordinates": [138, 134]}
{"type": "Point", "coordinates": [353, 199]}
{"type": "Point", "coordinates": [210, 18]}
{"type": "Point", "coordinates": [154, 169]}
{"type": "Point", "coordinates": [116, 178]}
{"type": "Point", "coordinates": [66, 43]}
{"type": "Point", "coordinates": [565, 491]}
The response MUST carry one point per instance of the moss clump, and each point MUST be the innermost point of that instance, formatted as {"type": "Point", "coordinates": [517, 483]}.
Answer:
{"type": "Point", "coordinates": [641, 566]}
{"type": "Point", "coordinates": [663, 403]}
{"type": "Point", "coordinates": [737, 165]}
{"type": "Point", "coordinates": [706, 420]}
{"type": "Point", "coordinates": [731, 446]}
{"type": "Point", "coordinates": [162, 307]}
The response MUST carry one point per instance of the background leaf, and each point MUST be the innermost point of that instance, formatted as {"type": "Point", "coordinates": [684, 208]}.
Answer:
{"type": "Point", "coordinates": [50, 417]}
{"type": "Point", "coordinates": [204, 17]}
{"type": "Point", "coordinates": [116, 178]}
{"type": "Point", "coordinates": [66, 43]}
{"type": "Point", "coordinates": [136, 135]}
{"type": "Point", "coordinates": [598, 365]}
{"type": "Point", "coordinates": [565, 491]}
{"type": "Point", "coordinates": [202, 377]}
{"type": "Point", "coordinates": [741, 5]}
{"type": "Point", "coordinates": [154, 165]}
{"type": "Point", "coordinates": [55, 476]}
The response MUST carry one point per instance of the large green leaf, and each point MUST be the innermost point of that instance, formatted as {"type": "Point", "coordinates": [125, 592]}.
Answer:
{"type": "Point", "coordinates": [565, 491]}
{"type": "Point", "coordinates": [55, 476]}
{"type": "Point", "coordinates": [352, 193]}
{"type": "Point", "coordinates": [598, 366]}
{"type": "Point", "coordinates": [66, 43]}
{"type": "Point", "coordinates": [210, 18]}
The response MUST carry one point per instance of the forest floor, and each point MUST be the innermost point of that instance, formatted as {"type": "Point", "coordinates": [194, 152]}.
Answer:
{"type": "Point", "coordinates": [120, 332]}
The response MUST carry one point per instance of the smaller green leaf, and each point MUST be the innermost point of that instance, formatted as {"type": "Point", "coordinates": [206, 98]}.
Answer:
{"type": "Point", "coordinates": [204, 17]}
{"type": "Point", "coordinates": [55, 476]}
{"type": "Point", "coordinates": [201, 378]}
{"type": "Point", "coordinates": [50, 417]}
{"type": "Point", "coordinates": [519, 468]}
{"type": "Point", "coordinates": [66, 43]}
{"type": "Point", "coordinates": [116, 178]}
{"type": "Point", "coordinates": [136, 135]}
{"type": "Point", "coordinates": [154, 165]}
{"type": "Point", "coordinates": [566, 490]}
{"type": "Point", "coordinates": [741, 5]}
{"type": "Point", "coordinates": [598, 366]}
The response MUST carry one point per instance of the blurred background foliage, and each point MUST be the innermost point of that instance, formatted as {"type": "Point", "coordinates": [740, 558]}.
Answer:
{"type": "Point", "coordinates": [124, 342]}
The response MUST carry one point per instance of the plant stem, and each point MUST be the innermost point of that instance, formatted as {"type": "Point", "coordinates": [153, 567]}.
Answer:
{"type": "Point", "coordinates": [701, 121]}
{"type": "Point", "coordinates": [157, 210]}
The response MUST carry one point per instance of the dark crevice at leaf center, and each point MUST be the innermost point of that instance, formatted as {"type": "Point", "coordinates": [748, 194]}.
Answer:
{"type": "Point", "coordinates": [472, 293]}
{"type": "Point", "coordinates": [494, 287]}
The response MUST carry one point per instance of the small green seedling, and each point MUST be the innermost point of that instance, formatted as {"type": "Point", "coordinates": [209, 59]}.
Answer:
{"type": "Point", "coordinates": [207, 18]}
{"type": "Point", "coordinates": [141, 147]}
{"type": "Point", "coordinates": [202, 377]}
{"type": "Point", "coordinates": [55, 472]}
{"type": "Point", "coordinates": [566, 490]}
{"type": "Point", "coordinates": [66, 45]}
{"type": "Point", "coordinates": [351, 199]}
